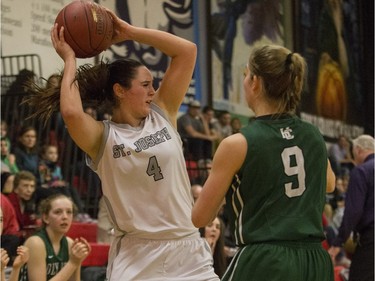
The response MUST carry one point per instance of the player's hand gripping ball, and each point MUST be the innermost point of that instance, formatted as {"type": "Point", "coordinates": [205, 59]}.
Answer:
{"type": "Point", "coordinates": [88, 28]}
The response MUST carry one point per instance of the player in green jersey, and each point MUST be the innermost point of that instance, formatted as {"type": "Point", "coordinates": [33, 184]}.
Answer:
{"type": "Point", "coordinates": [52, 254]}
{"type": "Point", "coordinates": [273, 176]}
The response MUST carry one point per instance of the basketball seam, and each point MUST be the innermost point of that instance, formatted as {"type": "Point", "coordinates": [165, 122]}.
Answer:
{"type": "Point", "coordinates": [83, 52]}
{"type": "Point", "coordinates": [97, 8]}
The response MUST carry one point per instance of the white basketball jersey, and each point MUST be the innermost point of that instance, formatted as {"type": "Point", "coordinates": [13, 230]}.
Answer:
{"type": "Point", "coordinates": [144, 179]}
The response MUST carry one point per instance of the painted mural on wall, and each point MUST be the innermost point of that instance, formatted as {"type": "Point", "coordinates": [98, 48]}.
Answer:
{"type": "Point", "coordinates": [329, 40]}
{"type": "Point", "coordinates": [235, 27]}
{"type": "Point", "coordinates": [174, 16]}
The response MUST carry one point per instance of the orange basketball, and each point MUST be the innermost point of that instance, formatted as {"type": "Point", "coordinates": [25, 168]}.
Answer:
{"type": "Point", "coordinates": [88, 28]}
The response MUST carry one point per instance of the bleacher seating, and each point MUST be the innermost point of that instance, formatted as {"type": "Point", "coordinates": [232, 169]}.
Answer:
{"type": "Point", "coordinates": [98, 256]}
{"type": "Point", "coordinates": [99, 251]}
{"type": "Point", "coordinates": [85, 230]}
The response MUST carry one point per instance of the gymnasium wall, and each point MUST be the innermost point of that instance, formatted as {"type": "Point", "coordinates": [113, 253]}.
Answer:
{"type": "Point", "coordinates": [25, 28]}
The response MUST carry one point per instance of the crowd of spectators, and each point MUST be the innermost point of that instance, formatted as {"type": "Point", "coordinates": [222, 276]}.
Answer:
{"type": "Point", "coordinates": [201, 130]}
{"type": "Point", "coordinates": [31, 172]}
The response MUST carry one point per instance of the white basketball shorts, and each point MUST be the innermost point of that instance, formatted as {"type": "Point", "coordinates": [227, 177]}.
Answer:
{"type": "Point", "coordinates": [134, 259]}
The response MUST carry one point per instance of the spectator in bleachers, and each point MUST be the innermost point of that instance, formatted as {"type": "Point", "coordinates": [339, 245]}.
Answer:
{"type": "Point", "coordinates": [333, 212]}
{"type": "Point", "coordinates": [26, 150]}
{"type": "Point", "coordinates": [49, 168]}
{"type": "Point", "coordinates": [224, 127]}
{"type": "Point", "coordinates": [4, 136]}
{"type": "Point", "coordinates": [23, 202]}
{"type": "Point", "coordinates": [214, 235]}
{"type": "Point", "coordinates": [17, 89]}
{"type": "Point", "coordinates": [7, 182]}
{"type": "Point", "coordinates": [4, 168]}
{"type": "Point", "coordinates": [21, 258]}
{"type": "Point", "coordinates": [340, 156]}
{"type": "Point", "coordinates": [52, 181]}
{"type": "Point", "coordinates": [335, 197]}
{"type": "Point", "coordinates": [359, 211]}
{"type": "Point", "coordinates": [195, 132]}
{"type": "Point", "coordinates": [230, 246]}
{"type": "Point", "coordinates": [57, 132]}
{"type": "Point", "coordinates": [236, 125]}
{"type": "Point", "coordinates": [336, 220]}
{"type": "Point", "coordinates": [208, 114]}
{"type": "Point", "coordinates": [92, 112]}
{"type": "Point", "coordinates": [10, 237]}
{"type": "Point", "coordinates": [196, 190]}
{"type": "Point", "coordinates": [8, 160]}
{"type": "Point", "coordinates": [4, 133]}
{"type": "Point", "coordinates": [21, 255]}
{"type": "Point", "coordinates": [18, 86]}
{"type": "Point", "coordinates": [53, 81]}
{"type": "Point", "coordinates": [52, 253]}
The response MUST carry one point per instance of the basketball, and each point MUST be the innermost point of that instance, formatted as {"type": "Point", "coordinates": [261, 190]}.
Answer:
{"type": "Point", "coordinates": [88, 28]}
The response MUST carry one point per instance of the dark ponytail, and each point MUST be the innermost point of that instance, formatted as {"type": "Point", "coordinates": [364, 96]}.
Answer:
{"type": "Point", "coordinates": [95, 86]}
{"type": "Point", "coordinates": [45, 100]}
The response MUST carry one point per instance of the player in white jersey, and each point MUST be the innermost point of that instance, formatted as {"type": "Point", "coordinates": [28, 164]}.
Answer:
{"type": "Point", "coordinates": [147, 192]}
{"type": "Point", "coordinates": [137, 155]}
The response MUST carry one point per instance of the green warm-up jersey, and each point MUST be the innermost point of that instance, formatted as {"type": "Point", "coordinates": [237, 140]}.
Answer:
{"type": "Point", "coordinates": [54, 262]}
{"type": "Point", "coordinates": [279, 192]}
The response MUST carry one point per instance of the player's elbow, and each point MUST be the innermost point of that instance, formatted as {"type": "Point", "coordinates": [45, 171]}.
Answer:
{"type": "Point", "coordinates": [190, 50]}
{"type": "Point", "coordinates": [331, 183]}
{"type": "Point", "coordinates": [197, 219]}
{"type": "Point", "coordinates": [330, 188]}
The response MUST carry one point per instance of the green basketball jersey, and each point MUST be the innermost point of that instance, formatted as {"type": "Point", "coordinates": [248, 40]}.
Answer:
{"type": "Point", "coordinates": [54, 262]}
{"type": "Point", "coordinates": [279, 192]}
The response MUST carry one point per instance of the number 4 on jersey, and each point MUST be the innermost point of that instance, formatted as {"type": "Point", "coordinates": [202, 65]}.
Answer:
{"type": "Point", "coordinates": [153, 169]}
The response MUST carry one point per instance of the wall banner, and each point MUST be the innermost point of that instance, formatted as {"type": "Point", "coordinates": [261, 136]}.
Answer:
{"type": "Point", "coordinates": [328, 37]}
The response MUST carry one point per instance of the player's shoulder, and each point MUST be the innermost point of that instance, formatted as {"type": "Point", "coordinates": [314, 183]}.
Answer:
{"type": "Point", "coordinates": [35, 242]}
{"type": "Point", "coordinates": [304, 127]}
{"type": "Point", "coordinates": [298, 121]}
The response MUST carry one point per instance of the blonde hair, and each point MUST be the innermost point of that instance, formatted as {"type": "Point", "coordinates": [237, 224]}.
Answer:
{"type": "Point", "coordinates": [282, 73]}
